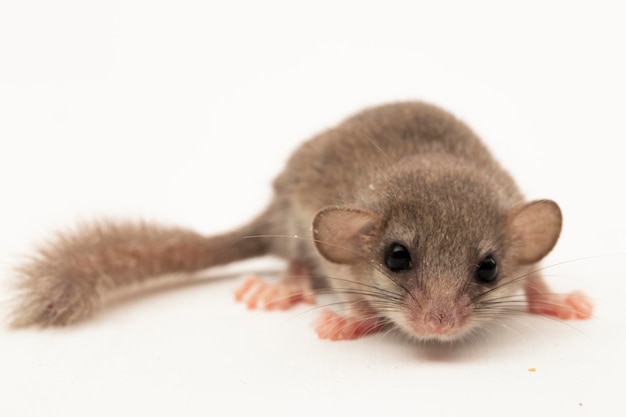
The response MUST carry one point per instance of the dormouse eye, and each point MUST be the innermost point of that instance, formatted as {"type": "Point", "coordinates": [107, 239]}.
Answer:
{"type": "Point", "coordinates": [487, 270]}
{"type": "Point", "coordinates": [398, 258]}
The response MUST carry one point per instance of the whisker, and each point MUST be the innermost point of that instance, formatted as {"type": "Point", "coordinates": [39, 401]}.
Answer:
{"type": "Point", "coordinates": [298, 237]}
{"type": "Point", "coordinates": [374, 265]}
{"type": "Point", "coordinates": [382, 290]}
{"type": "Point", "coordinates": [320, 307]}
{"type": "Point", "coordinates": [349, 291]}
{"type": "Point", "coordinates": [518, 308]}
{"type": "Point", "coordinates": [529, 275]}
{"type": "Point", "coordinates": [523, 296]}
{"type": "Point", "coordinates": [391, 278]}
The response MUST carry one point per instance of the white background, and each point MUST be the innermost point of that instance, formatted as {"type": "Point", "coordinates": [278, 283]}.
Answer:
{"type": "Point", "coordinates": [184, 111]}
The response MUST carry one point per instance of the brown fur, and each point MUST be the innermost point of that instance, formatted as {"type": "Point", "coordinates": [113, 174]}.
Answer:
{"type": "Point", "coordinates": [65, 281]}
{"type": "Point", "coordinates": [408, 172]}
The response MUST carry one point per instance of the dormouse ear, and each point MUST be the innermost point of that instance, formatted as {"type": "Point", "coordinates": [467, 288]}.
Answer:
{"type": "Point", "coordinates": [343, 235]}
{"type": "Point", "coordinates": [534, 230]}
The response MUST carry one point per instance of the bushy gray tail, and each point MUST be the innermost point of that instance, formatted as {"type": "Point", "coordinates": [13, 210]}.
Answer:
{"type": "Point", "coordinates": [68, 277]}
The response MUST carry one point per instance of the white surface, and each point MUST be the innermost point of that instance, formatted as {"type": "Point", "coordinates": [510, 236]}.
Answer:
{"type": "Point", "coordinates": [184, 111]}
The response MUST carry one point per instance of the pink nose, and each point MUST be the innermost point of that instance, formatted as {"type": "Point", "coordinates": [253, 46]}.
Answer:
{"type": "Point", "coordinates": [439, 320]}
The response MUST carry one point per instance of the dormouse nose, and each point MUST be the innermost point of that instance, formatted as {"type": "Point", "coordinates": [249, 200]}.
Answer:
{"type": "Point", "coordinates": [440, 319]}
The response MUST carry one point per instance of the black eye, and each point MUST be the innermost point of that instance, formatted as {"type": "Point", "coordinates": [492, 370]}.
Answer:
{"type": "Point", "coordinates": [398, 258]}
{"type": "Point", "coordinates": [487, 270]}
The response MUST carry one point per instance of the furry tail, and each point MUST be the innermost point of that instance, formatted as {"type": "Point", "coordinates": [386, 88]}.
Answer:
{"type": "Point", "coordinates": [67, 279]}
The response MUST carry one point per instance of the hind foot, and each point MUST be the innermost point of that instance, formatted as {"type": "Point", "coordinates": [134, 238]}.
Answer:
{"type": "Point", "coordinates": [571, 306]}
{"type": "Point", "coordinates": [294, 287]}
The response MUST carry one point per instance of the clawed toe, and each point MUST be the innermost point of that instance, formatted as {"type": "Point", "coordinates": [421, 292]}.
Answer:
{"type": "Point", "coordinates": [572, 306]}
{"type": "Point", "coordinates": [332, 326]}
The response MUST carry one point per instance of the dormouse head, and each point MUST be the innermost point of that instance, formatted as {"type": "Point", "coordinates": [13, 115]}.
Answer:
{"type": "Point", "coordinates": [439, 255]}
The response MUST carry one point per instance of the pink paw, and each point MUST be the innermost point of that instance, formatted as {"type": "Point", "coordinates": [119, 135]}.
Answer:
{"type": "Point", "coordinates": [282, 296]}
{"type": "Point", "coordinates": [572, 306]}
{"type": "Point", "coordinates": [332, 326]}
